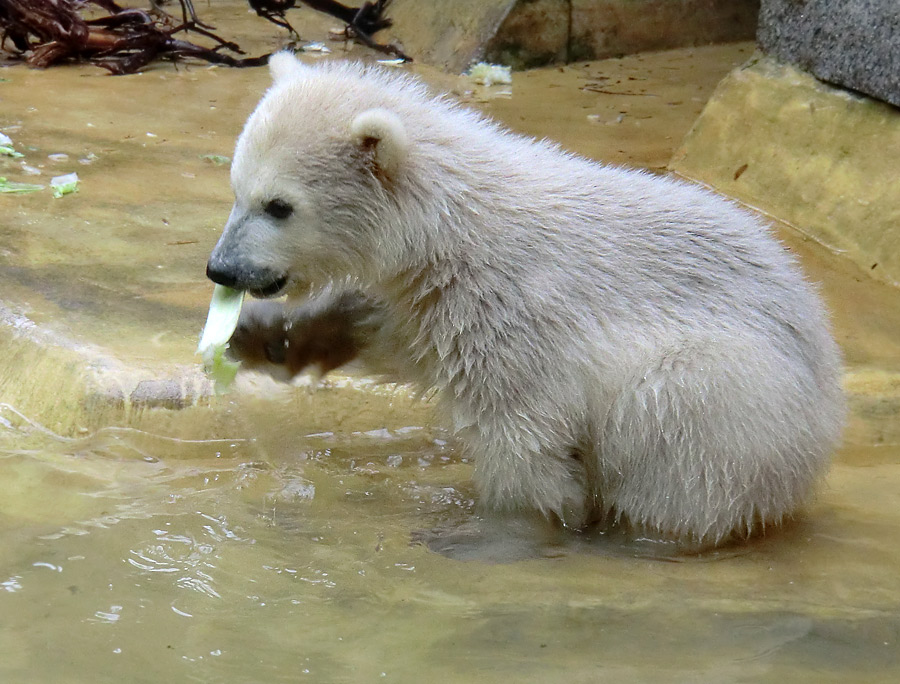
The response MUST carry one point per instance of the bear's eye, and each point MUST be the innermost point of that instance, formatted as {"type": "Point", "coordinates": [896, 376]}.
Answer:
{"type": "Point", "coordinates": [279, 209]}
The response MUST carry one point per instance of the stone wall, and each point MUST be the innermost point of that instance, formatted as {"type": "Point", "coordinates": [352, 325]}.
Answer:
{"type": "Point", "coordinates": [852, 43]}
{"type": "Point", "coordinates": [527, 33]}
{"type": "Point", "coordinates": [547, 31]}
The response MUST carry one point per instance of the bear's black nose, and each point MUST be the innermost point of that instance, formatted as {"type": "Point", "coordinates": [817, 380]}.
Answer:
{"type": "Point", "coordinates": [220, 276]}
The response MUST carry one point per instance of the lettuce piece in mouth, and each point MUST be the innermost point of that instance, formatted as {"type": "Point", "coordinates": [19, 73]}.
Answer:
{"type": "Point", "coordinates": [224, 311]}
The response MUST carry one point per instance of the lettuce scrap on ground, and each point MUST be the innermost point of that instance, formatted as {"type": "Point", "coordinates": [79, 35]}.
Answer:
{"type": "Point", "coordinates": [224, 311]}
{"type": "Point", "coordinates": [64, 185]}
{"type": "Point", "coordinates": [217, 159]}
{"type": "Point", "coordinates": [6, 147]}
{"type": "Point", "coordinates": [10, 187]}
{"type": "Point", "coordinates": [491, 74]}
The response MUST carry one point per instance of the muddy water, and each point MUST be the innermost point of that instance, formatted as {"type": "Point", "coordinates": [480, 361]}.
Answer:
{"type": "Point", "coordinates": [266, 538]}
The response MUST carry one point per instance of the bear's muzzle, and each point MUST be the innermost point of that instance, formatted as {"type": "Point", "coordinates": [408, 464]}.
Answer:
{"type": "Point", "coordinates": [259, 282]}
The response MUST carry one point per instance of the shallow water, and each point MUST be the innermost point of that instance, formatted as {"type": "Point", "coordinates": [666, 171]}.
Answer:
{"type": "Point", "coordinates": [261, 557]}
{"type": "Point", "coordinates": [266, 537]}
{"type": "Point", "coordinates": [251, 558]}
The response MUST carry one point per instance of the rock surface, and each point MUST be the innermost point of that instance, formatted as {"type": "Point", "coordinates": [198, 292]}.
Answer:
{"type": "Point", "coordinates": [855, 43]}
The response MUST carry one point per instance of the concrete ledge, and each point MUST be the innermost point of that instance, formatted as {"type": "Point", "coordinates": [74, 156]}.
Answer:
{"type": "Point", "coordinates": [810, 154]}
{"type": "Point", "coordinates": [813, 157]}
{"type": "Point", "coordinates": [873, 397]}
{"type": "Point", "coordinates": [72, 387]}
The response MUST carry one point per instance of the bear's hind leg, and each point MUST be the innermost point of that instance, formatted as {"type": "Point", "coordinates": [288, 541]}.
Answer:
{"type": "Point", "coordinates": [715, 440]}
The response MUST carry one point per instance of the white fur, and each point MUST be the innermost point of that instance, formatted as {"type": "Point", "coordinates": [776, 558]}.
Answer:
{"type": "Point", "coordinates": [284, 66]}
{"type": "Point", "coordinates": [559, 306]}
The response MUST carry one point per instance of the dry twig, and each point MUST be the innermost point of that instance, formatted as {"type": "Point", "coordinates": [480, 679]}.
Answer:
{"type": "Point", "coordinates": [360, 22]}
{"type": "Point", "coordinates": [47, 32]}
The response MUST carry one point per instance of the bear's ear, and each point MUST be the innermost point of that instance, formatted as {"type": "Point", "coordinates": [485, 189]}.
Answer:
{"type": "Point", "coordinates": [383, 133]}
{"type": "Point", "coordinates": [284, 66]}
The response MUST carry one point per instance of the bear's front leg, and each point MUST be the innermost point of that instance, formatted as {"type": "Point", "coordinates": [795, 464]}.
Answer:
{"type": "Point", "coordinates": [324, 333]}
{"type": "Point", "coordinates": [530, 501]}
{"type": "Point", "coordinates": [518, 475]}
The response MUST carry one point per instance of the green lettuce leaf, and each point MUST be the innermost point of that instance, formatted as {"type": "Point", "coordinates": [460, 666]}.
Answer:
{"type": "Point", "coordinates": [10, 187]}
{"type": "Point", "coordinates": [224, 311]}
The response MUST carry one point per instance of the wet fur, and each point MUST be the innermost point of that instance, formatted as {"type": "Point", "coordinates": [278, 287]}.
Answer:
{"type": "Point", "coordinates": [606, 344]}
{"type": "Point", "coordinates": [323, 334]}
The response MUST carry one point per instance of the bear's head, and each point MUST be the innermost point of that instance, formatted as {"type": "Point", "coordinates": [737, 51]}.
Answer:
{"type": "Point", "coordinates": [315, 175]}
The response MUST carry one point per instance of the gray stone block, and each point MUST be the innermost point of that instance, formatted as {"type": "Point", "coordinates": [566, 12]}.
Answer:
{"type": "Point", "coordinates": [852, 43]}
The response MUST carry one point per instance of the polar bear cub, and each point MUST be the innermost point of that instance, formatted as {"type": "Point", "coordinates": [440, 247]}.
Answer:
{"type": "Point", "coordinates": [608, 345]}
